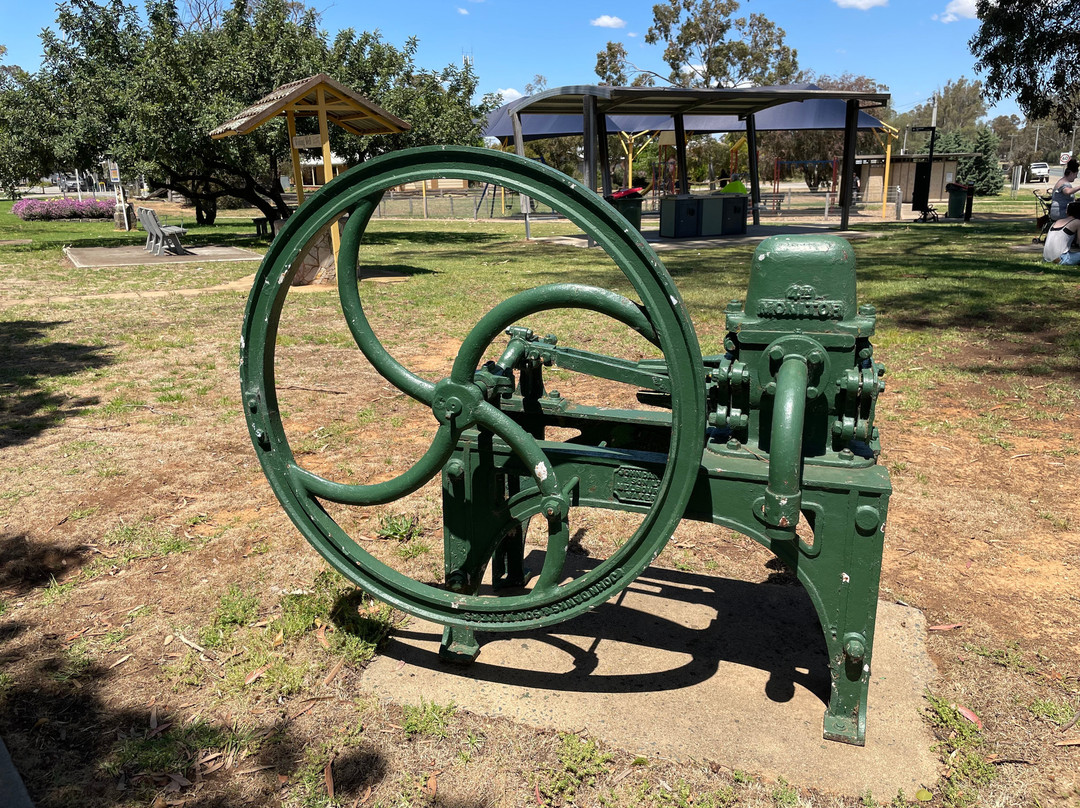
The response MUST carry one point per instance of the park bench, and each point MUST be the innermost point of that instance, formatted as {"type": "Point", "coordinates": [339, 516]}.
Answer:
{"type": "Point", "coordinates": [772, 202]}
{"type": "Point", "coordinates": [161, 238]}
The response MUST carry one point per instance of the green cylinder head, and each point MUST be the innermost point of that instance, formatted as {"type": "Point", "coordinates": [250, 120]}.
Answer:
{"type": "Point", "coordinates": [808, 278]}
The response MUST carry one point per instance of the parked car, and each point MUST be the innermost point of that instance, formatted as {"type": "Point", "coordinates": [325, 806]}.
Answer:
{"type": "Point", "coordinates": [1039, 172]}
{"type": "Point", "coordinates": [67, 183]}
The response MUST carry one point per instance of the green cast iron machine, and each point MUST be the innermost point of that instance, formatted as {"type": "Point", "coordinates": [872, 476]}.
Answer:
{"type": "Point", "coordinates": [774, 438]}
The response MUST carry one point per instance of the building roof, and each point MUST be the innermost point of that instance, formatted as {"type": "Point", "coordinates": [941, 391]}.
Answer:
{"type": "Point", "coordinates": [822, 113]}
{"type": "Point", "coordinates": [667, 101]}
{"type": "Point", "coordinates": [351, 111]}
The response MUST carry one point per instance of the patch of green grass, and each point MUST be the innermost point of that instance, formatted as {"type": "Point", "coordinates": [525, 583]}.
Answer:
{"type": "Point", "coordinates": [960, 746]}
{"type": "Point", "coordinates": [120, 405]}
{"type": "Point", "coordinates": [76, 661]}
{"type": "Point", "coordinates": [1059, 521]}
{"type": "Point", "coordinates": [580, 762]}
{"type": "Point", "coordinates": [399, 527]}
{"type": "Point", "coordinates": [56, 592]}
{"type": "Point", "coordinates": [1058, 712]}
{"type": "Point", "coordinates": [1008, 657]}
{"type": "Point", "coordinates": [82, 513]}
{"type": "Point", "coordinates": [427, 718]}
{"type": "Point", "coordinates": [410, 550]}
{"type": "Point", "coordinates": [784, 795]}
{"type": "Point", "coordinates": [234, 609]}
{"type": "Point", "coordinates": [134, 541]}
{"type": "Point", "coordinates": [175, 750]}
{"type": "Point", "coordinates": [7, 684]}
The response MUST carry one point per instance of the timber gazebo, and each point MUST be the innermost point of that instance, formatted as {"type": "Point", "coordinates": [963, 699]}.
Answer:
{"type": "Point", "coordinates": [316, 96]}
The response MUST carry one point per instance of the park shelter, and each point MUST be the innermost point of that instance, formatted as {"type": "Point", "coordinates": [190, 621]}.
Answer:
{"type": "Point", "coordinates": [594, 105]}
{"type": "Point", "coordinates": [319, 97]}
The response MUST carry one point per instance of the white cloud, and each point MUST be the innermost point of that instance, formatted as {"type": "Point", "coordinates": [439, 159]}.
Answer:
{"type": "Point", "coordinates": [608, 21]}
{"type": "Point", "coordinates": [509, 94]}
{"type": "Point", "coordinates": [462, 11]}
{"type": "Point", "coordinates": [631, 33]}
{"type": "Point", "coordinates": [862, 5]}
{"type": "Point", "coordinates": [958, 10]}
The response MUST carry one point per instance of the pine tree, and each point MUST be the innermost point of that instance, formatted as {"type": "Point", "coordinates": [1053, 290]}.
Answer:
{"type": "Point", "coordinates": [985, 172]}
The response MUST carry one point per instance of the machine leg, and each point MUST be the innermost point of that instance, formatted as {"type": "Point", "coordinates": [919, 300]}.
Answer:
{"type": "Point", "coordinates": [458, 645]}
{"type": "Point", "coordinates": [842, 576]}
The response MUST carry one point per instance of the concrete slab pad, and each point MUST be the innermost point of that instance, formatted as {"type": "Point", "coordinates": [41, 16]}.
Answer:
{"type": "Point", "coordinates": [86, 257]}
{"type": "Point", "coordinates": [692, 667]}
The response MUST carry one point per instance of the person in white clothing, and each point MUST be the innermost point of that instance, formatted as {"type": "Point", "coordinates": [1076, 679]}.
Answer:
{"type": "Point", "coordinates": [1061, 238]}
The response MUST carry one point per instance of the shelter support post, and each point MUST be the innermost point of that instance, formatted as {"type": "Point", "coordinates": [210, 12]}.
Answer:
{"type": "Point", "coordinates": [589, 132]}
{"type": "Point", "coordinates": [847, 172]}
{"type": "Point", "coordinates": [298, 173]}
{"type": "Point", "coordinates": [519, 149]}
{"type": "Point", "coordinates": [328, 164]}
{"type": "Point", "coordinates": [680, 153]}
{"type": "Point", "coordinates": [605, 157]}
{"type": "Point", "coordinates": [752, 163]}
{"type": "Point", "coordinates": [885, 179]}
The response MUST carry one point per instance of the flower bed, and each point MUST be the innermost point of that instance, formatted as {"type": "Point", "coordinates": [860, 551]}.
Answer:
{"type": "Point", "coordinates": [49, 209]}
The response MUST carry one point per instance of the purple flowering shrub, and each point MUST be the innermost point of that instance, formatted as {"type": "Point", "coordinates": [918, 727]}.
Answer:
{"type": "Point", "coordinates": [36, 210]}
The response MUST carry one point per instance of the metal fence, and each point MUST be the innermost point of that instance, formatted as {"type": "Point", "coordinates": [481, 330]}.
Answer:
{"type": "Point", "coordinates": [495, 202]}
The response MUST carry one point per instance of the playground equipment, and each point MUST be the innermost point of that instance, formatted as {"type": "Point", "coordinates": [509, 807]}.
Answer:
{"type": "Point", "coordinates": [774, 438]}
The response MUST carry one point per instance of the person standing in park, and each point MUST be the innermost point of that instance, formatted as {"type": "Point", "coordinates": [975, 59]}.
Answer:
{"type": "Point", "coordinates": [1064, 191]}
{"type": "Point", "coordinates": [1061, 238]}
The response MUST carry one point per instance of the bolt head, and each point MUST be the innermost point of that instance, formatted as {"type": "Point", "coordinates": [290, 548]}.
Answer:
{"type": "Point", "coordinates": [776, 353]}
{"type": "Point", "coordinates": [815, 357]}
{"type": "Point", "coordinates": [855, 649]}
{"type": "Point", "coordinates": [770, 388]}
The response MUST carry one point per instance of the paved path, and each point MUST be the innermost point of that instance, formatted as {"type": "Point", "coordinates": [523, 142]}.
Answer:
{"type": "Point", "coordinates": [134, 256]}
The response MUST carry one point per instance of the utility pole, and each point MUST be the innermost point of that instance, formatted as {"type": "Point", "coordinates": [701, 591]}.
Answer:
{"type": "Point", "coordinates": [1036, 150]}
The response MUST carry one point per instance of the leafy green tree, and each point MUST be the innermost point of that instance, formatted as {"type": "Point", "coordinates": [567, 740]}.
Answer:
{"type": "Point", "coordinates": [1027, 51]}
{"type": "Point", "coordinates": [983, 171]}
{"type": "Point", "coordinates": [148, 93]}
{"type": "Point", "coordinates": [22, 156]}
{"type": "Point", "coordinates": [704, 46]}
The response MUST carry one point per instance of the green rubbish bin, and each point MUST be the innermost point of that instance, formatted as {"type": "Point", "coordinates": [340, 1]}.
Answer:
{"type": "Point", "coordinates": [630, 208]}
{"type": "Point", "coordinates": [958, 196]}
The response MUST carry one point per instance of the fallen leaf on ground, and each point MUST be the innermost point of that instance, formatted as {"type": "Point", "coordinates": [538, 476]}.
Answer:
{"type": "Point", "coordinates": [320, 635]}
{"type": "Point", "coordinates": [1073, 742]}
{"type": "Point", "coordinates": [432, 786]}
{"type": "Point", "coordinates": [946, 627]}
{"type": "Point", "coordinates": [922, 795]}
{"type": "Point", "coordinates": [120, 661]}
{"type": "Point", "coordinates": [363, 797]}
{"type": "Point", "coordinates": [255, 674]}
{"type": "Point", "coordinates": [969, 715]}
{"type": "Point", "coordinates": [328, 776]}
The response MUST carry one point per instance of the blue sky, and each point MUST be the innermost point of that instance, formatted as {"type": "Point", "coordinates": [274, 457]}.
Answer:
{"type": "Point", "coordinates": [912, 46]}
